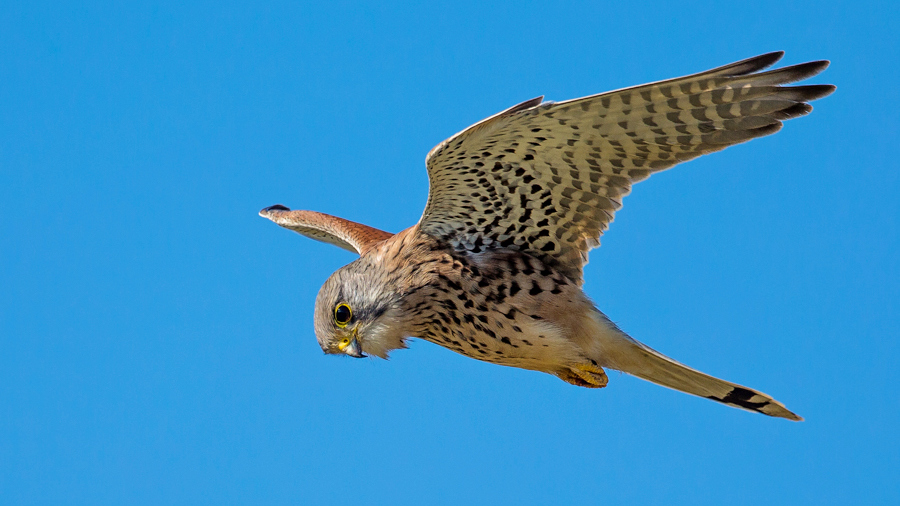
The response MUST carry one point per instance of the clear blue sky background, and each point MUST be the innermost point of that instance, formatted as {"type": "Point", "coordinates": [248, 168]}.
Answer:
{"type": "Point", "coordinates": [156, 342]}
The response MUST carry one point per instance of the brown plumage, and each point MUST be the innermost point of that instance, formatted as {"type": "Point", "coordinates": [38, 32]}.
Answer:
{"type": "Point", "coordinates": [493, 270]}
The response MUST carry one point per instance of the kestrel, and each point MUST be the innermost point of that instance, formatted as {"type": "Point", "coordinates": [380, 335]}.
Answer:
{"type": "Point", "coordinates": [493, 269]}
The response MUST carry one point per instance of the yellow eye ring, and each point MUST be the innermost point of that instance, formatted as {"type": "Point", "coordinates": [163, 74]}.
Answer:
{"type": "Point", "coordinates": [342, 315]}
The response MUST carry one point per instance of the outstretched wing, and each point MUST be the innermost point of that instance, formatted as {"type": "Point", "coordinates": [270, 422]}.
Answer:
{"type": "Point", "coordinates": [346, 234]}
{"type": "Point", "coordinates": [547, 178]}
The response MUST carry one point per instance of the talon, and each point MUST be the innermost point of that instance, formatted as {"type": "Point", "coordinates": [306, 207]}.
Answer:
{"type": "Point", "coordinates": [585, 375]}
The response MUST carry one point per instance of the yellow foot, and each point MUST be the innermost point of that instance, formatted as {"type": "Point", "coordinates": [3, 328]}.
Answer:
{"type": "Point", "coordinates": [584, 375]}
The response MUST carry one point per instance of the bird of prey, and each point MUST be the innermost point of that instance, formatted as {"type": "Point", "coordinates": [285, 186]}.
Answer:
{"type": "Point", "coordinates": [493, 269]}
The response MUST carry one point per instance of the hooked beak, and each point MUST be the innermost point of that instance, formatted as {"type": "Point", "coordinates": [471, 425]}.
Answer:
{"type": "Point", "coordinates": [352, 348]}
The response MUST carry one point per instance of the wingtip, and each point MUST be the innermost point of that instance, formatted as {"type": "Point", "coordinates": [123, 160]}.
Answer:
{"type": "Point", "coordinates": [778, 410]}
{"type": "Point", "coordinates": [765, 60]}
{"type": "Point", "coordinates": [266, 211]}
{"type": "Point", "coordinates": [801, 71]}
{"type": "Point", "coordinates": [772, 57]}
{"type": "Point", "coordinates": [812, 92]}
{"type": "Point", "coordinates": [816, 67]}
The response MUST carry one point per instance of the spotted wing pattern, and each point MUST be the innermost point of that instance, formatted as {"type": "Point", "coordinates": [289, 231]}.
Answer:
{"type": "Point", "coordinates": [547, 178]}
{"type": "Point", "coordinates": [346, 234]}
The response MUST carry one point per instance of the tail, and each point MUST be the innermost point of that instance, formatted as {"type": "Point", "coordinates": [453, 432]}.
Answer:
{"type": "Point", "coordinates": [637, 359]}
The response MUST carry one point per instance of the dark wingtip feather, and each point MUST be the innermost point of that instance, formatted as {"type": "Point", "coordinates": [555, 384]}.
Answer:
{"type": "Point", "coordinates": [801, 71]}
{"type": "Point", "coordinates": [729, 137]}
{"type": "Point", "coordinates": [814, 67]}
{"type": "Point", "coordinates": [766, 130]}
{"type": "Point", "coordinates": [806, 93]}
{"type": "Point", "coordinates": [748, 66]}
{"type": "Point", "coordinates": [268, 210]}
{"type": "Point", "coordinates": [825, 90]}
{"type": "Point", "coordinates": [784, 75]}
{"type": "Point", "coordinates": [767, 60]}
{"type": "Point", "coordinates": [794, 111]}
{"type": "Point", "coordinates": [528, 104]}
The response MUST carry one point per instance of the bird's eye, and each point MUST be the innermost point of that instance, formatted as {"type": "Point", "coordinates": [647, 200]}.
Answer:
{"type": "Point", "coordinates": [342, 315]}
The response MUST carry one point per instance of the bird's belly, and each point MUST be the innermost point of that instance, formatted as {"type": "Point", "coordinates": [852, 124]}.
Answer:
{"type": "Point", "coordinates": [529, 345]}
{"type": "Point", "coordinates": [508, 309]}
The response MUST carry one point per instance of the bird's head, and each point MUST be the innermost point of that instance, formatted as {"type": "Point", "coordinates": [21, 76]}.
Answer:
{"type": "Point", "coordinates": [356, 315]}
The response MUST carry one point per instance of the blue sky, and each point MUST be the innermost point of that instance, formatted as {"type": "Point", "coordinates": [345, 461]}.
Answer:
{"type": "Point", "coordinates": [156, 342]}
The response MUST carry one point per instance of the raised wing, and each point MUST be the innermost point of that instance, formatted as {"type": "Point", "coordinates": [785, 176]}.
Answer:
{"type": "Point", "coordinates": [346, 234]}
{"type": "Point", "coordinates": [547, 178]}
